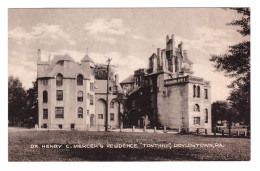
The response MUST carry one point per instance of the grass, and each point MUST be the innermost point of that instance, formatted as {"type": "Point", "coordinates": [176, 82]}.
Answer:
{"type": "Point", "coordinates": [235, 149]}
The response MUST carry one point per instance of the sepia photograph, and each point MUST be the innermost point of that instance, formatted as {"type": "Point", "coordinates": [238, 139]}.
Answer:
{"type": "Point", "coordinates": [129, 84]}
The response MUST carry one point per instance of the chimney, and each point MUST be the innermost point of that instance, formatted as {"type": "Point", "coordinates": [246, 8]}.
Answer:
{"type": "Point", "coordinates": [173, 45]}
{"type": "Point", "coordinates": [167, 39]}
{"type": "Point", "coordinates": [49, 60]}
{"type": "Point", "coordinates": [159, 61]}
{"type": "Point", "coordinates": [39, 55]}
{"type": "Point", "coordinates": [181, 48]}
{"type": "Point", "coordinates": [117, 79]}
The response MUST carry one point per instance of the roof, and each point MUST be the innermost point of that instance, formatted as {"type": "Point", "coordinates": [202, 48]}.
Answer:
{"type": "Point", "coordinates": [71, 71]}
{"type": "Point", "coordinates": [186, 59]}
{"type": "Point", "coordinates": [86, 58]}
{"type": "Point", "coordinates": [101, 86]}
{"type": "Point", "coordinates": [129, 79]}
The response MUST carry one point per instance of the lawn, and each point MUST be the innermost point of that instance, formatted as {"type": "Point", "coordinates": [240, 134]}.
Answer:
{"type": "Point", "coordinates": [173, 147]}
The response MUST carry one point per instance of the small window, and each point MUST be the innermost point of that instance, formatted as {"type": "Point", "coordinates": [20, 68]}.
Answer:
{"type": "Point", "coordinates": [206, 116]}
{"type": "Point", "coordinates": [45, 82]}
{"type": "Point", "coordinates": [194, 91]}
{"type": "Point", "coordinates": [91, 86]}
{"type": "Point", "coordinates": [45, 126]}
{"type": "Point", "coordinates": [196, 120]}
{"type": "Point", "coordinates": [59, 112]}
{"type": "Point", "coordinates": [59, 94]}
{"type": "Point", "coordinates": [206, 93]}
{"type": "Point", "coordinates": [196, 108]}
{"type": "Point", "coordinates": [80, 96]}
{"type": "Point", "coordinates": [72, 126]}
{"type": "Point", "coordinates": [114, 90]}
{"type": "Point", "coordinates": [198, 91]}
{"type": "Point", "coordinates": [59, 80]}
{"type": "Point", "coordinates": [91, 99]}
{"type": "Point", "coordinates": [80, 112]}
{"type": "Point", "coordinates": [112, 104]}
{"type": "Point", "coordinates": [45, 96]}
{"type": "Point", "coordinates": [79, 80]}
{"type": "Point", "coordinates": [100, 116]}
{"type": "Point", "coordinates": [112, 117]}
{"type": "Point", "coordinates": [87, 111]}
{"type": "Point", "coordinates": [45, 113]}
{"type": "Point", "coordinates": [60, 126]}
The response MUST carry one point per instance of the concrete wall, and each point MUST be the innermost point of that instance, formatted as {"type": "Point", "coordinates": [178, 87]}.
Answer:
{"type": "Point", "coordinates": [203, 103]}
{"type": "Point", "coordinates": [69, 102]}
{"type": "Point", "coordinates": [172, 102]}
{"type": "Point", "coordinates": [101, 109]}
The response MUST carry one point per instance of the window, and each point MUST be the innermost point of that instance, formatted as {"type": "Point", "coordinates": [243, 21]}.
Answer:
{"type": "Point", "coordinates": [59, 112]}
{"type": "Point", "coordinates": [60, 126]}
{"type": "Point", "coordinates": [72, 126]}
{"type": "Point", "coordinates": [114, 90]}
{"type": "Point", "coordinates": [45, 96]}
{"type": "Point", "coordinates": [80, 96]}
{"type": "Point", "coordinates": [194, 91]}
{"type": "Point", "coordinates": [61, 63]}
{"type": "Point", "coordinates": [45, 113]}
{"type": "Point", "coordinates": [196, 108]}
{"type": "Point", "coordinates": [88, 112]}
{"type": "Point", "coordinates": [91, 99]}
{"type": "Point", "coordinates": [79, 80]}
{"type": "Point", "coordinates": [112, 103]}
{"type": "Point", "coordinates": [45, 82]}
{"type": "Point", "coordinates": [112, 117]}
{"type": "Point", "coordinates": [196, 120]}
{"type": "Point", "coordinates": [198, 91]}
{"type": "Point", "coordinates": [59, 80]}
{"type": "Point", "coordinates": [88, 95]}
{"type": "Point", "coordinates": [45, 126]}
{"type": "Point", "coordinates": [100, 116]}
{"type": "Point", "coordinates": [91, 86]}
{"type": "Point", "coordinates": [80, 112]}
{"type": "Point", "coordinates": [59, 94]}
{"type": "Point", "coordinates": [206, 116]}
{"type": "Point", "coordinates": [206, 93]}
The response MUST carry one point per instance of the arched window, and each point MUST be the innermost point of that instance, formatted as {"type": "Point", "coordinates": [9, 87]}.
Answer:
{"type": "Point", "coordinates": [45, 96]}
{"type": "Point", "coordinates": [112, 104]}
{"type": "Point", "coordinates": [80, 112]}
{"type": "Point", "coordinates": [80, 80]}
{"type": "Point", "coordinates": [206, 116]}
{"type": "Point", "coordinates": [196, 108]}
{"type": "Point", "coordinates": [59, 80]}
{"type": "Point", "coordinates": [198, 91]}
{"type": "Point", "coordinates": [194, 91]}
{"type": "Point", "coordinates": [80, 96]}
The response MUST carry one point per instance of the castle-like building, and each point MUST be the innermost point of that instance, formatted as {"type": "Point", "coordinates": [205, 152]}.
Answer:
{"type": "Point", "coordinates": [166, 94]}
{"type": "Point", "coordinates": [69, 96]}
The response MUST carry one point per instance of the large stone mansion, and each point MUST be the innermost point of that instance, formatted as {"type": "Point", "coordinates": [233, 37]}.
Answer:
{"type": "Point", "coordinates": [165, 94]}
{"type": "Point", "coordinates": [69, 96]}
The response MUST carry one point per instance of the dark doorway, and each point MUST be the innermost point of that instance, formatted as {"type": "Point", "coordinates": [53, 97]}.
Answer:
{"type": "Point", "coordinates": [72, 126]}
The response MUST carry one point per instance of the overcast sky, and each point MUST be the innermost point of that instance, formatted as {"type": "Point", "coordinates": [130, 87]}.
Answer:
{"type": "Point", "coordinates": [128, 36]}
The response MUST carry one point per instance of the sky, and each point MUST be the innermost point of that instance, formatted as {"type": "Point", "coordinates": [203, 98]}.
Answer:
{"type": "Point", "coordinates": [127, 35]}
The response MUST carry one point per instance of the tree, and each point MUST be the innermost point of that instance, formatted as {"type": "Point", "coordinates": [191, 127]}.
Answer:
{"type": "Point", "coordinates": [16, 100]}
{"type": "Point", "coordinates": [219, 111]}
{"type": "Point", "coordinates": [236, 64]}
{"type": "Point", "coordinates": [100, 71]}
{"type": "Point", "coordinates": [32, 104]}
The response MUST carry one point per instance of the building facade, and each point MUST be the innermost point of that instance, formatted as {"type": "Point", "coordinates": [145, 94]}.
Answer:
{"type": "Point", "coordinates": [167, 93]}
{"type": "Point", "coordinates": [69, 96]}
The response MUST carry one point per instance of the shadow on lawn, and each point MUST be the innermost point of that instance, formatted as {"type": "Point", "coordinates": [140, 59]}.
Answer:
{"type": "Point", "coordinates": [107, 154]}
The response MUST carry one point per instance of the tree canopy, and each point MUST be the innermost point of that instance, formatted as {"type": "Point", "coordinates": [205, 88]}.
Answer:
{"type": "Point", "coordinates": [236, 64]}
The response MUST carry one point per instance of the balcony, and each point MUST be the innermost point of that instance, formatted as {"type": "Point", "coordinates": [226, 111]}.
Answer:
{"type": "Point", "coordinates": [178, 80]}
